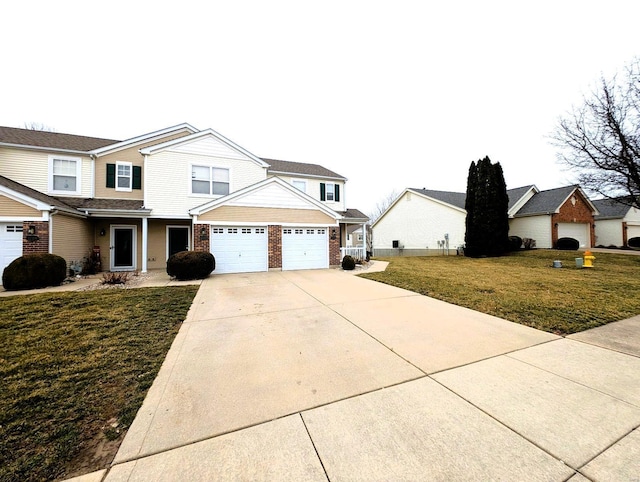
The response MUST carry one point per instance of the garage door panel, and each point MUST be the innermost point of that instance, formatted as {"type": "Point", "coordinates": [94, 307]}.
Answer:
{"type": "Point", "coordinates": [305, 248]}
{"type": "Point", "coordinates": [10, 243]}
{"type": "Point", "coordinates": [579, 231]}
{"type": "Point", "coordinates": [633, 231]}
{"type": "Point", "coordinates": [239, 249]}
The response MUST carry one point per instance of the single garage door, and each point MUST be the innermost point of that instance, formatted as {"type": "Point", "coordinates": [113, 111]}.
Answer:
{"type": "Point", "coordinates": [240, 249]}
{"type": "Point", "coordinates": [633, 231]}
{"type": "Point", "coordinates": [10, 244]}
{"type": "Point", "coordinates": [305, 248]}
{"type": "Point", "coordinates": [579, 231]}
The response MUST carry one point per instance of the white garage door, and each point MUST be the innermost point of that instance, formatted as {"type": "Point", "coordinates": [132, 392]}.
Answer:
{"type": "Point", "coordinates": [10, 244]}
{"type": "Point", "coordinates": [633, 231]}
{"type": "Point", "coordinates": [305, 248]}
{"type": "Point", "coordinates": [240, 249]}
{"type": "Point", "coordinates": [579, 231]}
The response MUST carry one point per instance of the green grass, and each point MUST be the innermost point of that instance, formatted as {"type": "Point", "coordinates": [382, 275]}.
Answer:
{"type": "Point", "coordinates": [74, 370]}
{"type": "Point", "coordinates": [524, 287]}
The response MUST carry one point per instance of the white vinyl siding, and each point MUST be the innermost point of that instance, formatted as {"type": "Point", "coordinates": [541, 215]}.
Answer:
{"type": "Point", "coordinates": [534, 227]}
{"type": "Point", "coordinates": [171, 172]}
{"type": "Point", "coordinates": [313, 189]}
{"type": "Point", "coordinates": [419, 223]}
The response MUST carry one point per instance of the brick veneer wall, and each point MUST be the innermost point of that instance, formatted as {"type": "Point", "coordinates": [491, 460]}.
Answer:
{"type": "Point", "coordinates": [334, 249]}
{"type": "Point", "coordinates": [201, 242]}
{"type": "Point", "coordinates": [580, 213]}
{"type": "Point", "coordinates": [41, 245]}
{"type": "Point", "coordinates": [275, 246]}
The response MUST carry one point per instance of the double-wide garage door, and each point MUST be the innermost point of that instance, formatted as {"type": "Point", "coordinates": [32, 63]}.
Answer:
{"type": "Point", "coordinates": [10, 243]}
{"type": "Point", "coordinates": [246, 249]}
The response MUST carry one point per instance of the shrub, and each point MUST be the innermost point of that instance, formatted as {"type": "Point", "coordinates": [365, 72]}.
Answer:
{"type": "Point", "coordinates": [34, 271]}
{"type": "Point", "coordinates": [634, 243]}
{"type": "Point", "coordinates": [568, 244]}
{"type": "Point", "coordinates": [187, 265]}
{"type": "Point", "coordinates": [515, 243]}
{"type": "Point", "coordinates": [115, 278]}
{"type": "Point", "coordinates": [529, 243]}
{"type": "Point", "coordinates": [348, 263]}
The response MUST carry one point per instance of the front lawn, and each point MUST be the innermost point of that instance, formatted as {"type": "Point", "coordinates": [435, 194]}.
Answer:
{"type": "Point", "coordinates": [74, 370]}
{"type": "Point", "coordinates": [525, 288]}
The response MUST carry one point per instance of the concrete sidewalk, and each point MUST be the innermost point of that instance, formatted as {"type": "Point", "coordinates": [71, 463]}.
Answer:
{"type": "Point", "coordinates": [318, 375]}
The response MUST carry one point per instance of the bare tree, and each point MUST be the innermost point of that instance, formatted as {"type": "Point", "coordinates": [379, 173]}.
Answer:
{"type": "Point", "coordinates": [38, 126]}
{"type": "Point", "coordinates": [601, 138]}
{"type": "Point", "coordinates": [383, 205]}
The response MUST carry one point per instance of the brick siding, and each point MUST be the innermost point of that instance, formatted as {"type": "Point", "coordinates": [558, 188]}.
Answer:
{"type": "Point", "coordinates": [201, 241]}
{"type": "Point", "coordinates": [570, 213]}
{"type": "Point", "coordinates": [40, 245]}
{"type": "Point", "coordinates": [275, 247]}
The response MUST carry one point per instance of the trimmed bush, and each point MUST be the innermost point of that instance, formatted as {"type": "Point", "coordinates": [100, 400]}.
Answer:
{"type": "Point", "coordinates": [568, 244]}
{"type": "Point", "coordinates": [348, 263]}
{"type": "Point", "coordinates": [34, 271]}
{"type": "Point", "coordinates": [515, 243]}
{"type": "Point", "coordinates": [187, 265]}
{"type": "Point", "coordinates": [634, 243]}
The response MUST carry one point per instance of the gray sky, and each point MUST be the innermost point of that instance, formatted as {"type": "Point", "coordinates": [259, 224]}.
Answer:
{"type": "Point", "coordinates": [389, 94]}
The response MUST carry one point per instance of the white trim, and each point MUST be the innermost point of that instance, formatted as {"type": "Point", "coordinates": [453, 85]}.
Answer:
{"type": "Point", "coordinates": [210, 166]}
{"type": "Point", "coordinates": [321, 206]}
{"type": "Point", "coordinates": [145, 243]}
{"type": "Point", "coordinates": [141, 139]}
{"type": "Point", "coordinates": [134, 247]}
{"type": "Point", "coordinates": [198, 136]}
{"type": "Point", "coordinates": [25, 199]}
{"type": "Point", "coordinates": [78, 175]}
{"type": "Point", "coordinates": [130, 166]}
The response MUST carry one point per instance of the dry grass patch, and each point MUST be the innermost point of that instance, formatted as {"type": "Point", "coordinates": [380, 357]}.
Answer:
{"type": "Point", "coordinates": [525, 288]}
{"type": "Point", "coordinates": [75, 368]}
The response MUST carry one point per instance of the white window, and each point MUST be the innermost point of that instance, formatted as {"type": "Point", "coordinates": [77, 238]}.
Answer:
{"type": "Point", "coordinates": [64, 175]}
{"type": "Point", "coordinates": [209, 180]}
{"type": "Point", "coordinates": [330, 190]}
{"type": "Point", "coordinates": [123, 176]}
{"type": "Point", "coordinates": [218, 230]}
{"type": "Point", "coordinates": [302, 185]}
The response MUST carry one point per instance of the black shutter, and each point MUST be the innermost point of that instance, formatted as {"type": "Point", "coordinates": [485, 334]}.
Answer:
{"type": "Point", "coordinates": [137, 177]}
{"type": "Point", "coordinates": [111, 175]}
{"type": "Point", "coordinates": [323, 188]}
{"type": "Point", "coordinates": [337, 195]}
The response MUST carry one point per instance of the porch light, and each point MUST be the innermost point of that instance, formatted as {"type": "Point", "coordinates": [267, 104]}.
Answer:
{"type": "Point", "coordinates": [103, 232]}
{"type": "Point", "coordinates": [31, 231]}
{"type": "Point", "coordinates": [333, 233]}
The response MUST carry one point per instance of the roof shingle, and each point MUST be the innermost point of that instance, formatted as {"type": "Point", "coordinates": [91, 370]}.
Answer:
{"type": "Point", "coordinates": [52, 140]}
{"type": "Point", "coordinates": [289, 167]}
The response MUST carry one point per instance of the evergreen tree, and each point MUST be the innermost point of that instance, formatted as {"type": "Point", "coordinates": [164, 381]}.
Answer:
{"type": "Point", "coordinates": [487, 204]}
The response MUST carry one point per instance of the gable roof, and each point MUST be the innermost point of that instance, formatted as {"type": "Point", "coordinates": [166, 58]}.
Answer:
{"type": "Point", "coordinates": [456, 199]}
{"type": "Point", "coordinates": [312, 170]}
{"type": "Point", "coordinates": [141, 139]}
{"type": "Point", "coordinates": [354, 215]}
{"type": "Point", "coordinates": [549, 201]}
{"type": "Point", "coordinates": [24, 191]}
{"type": "Point", "coordinates": [611, 208]}
{"type": "Point", "coordinates": [27, 138]}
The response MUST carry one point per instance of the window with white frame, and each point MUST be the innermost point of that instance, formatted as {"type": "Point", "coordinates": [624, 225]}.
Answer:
{"type": "Point", "coordinates": [298, 184]}
{"type": "Point", "coordinates": [123, 176]}
{"type": "Point", "coordinates": [330, 191]}
{"type": "Point", "coordinates": [209, 180]}
{"type": "Point", "coordinates": [64, 174]}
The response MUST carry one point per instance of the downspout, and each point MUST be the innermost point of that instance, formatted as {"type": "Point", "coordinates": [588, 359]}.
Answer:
{"type": "Point", "coordinates": [51, 214]}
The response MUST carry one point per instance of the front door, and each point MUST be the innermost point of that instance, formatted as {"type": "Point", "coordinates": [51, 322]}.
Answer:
{"type": "Point", "coordinates": [123, 248]}
{"type": "Point", "coordinates": [178, 239]}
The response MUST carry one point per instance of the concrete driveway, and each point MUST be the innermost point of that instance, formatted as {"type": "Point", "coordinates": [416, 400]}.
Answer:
{"type": "Point", "coordinates": [319, 375]}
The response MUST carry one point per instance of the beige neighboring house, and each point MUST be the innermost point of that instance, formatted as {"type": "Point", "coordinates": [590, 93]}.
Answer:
{"type": "Point", "coordinates": [617, 222]}
{"type": "Point", "coordinates": [133, 203]}
{"type": "Point", "coordinates": [422, 222]}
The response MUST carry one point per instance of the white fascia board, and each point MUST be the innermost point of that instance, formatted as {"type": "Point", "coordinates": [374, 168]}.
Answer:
{"type": "Point", "coordinates": [306, 176]}
{"type": "Point", "coordinates": [141, 139]}
{"type": "Point", "coordinates": [199, 135]}
{"type": "Point", "coordinates": [25, 199]}
{"type": "Point", "coordinates": [518, 204]}
{"type": "Point", "coordinates": [117, 213]}
{"type": "Point", "coordinates": [226, 199]}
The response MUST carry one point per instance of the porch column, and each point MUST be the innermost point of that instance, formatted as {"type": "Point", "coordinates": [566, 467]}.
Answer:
{"type": "Point", "coordinates": [364, 240]}
{"type": "Point", "coordinates": [145, 227]}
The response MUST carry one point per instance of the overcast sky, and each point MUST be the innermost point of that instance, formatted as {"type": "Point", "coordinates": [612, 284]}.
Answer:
{"type": "Point", "coordinates": [388, 94]}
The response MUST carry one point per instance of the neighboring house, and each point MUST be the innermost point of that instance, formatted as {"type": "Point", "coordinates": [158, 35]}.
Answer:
{"type": "Point", "coordinates": [423, 221]}
{"type": "Point", "coordinates": [136, 202]}
{"type": "Point", "coordinates": [355, 238]}
{"type": "Point", "coordinates": [617, 222]}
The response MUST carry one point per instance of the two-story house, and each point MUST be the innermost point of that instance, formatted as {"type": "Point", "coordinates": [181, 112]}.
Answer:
{"type": "Point", "coordinates": [134, 203]}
